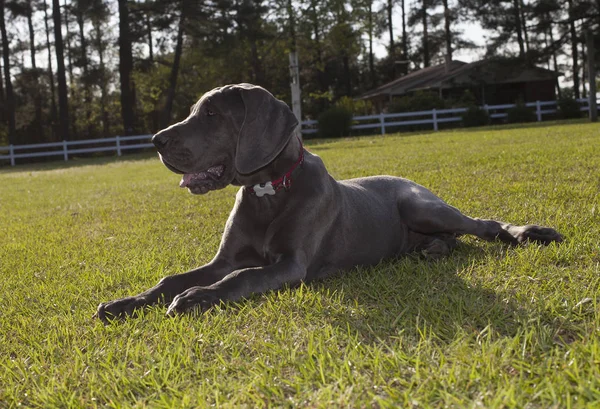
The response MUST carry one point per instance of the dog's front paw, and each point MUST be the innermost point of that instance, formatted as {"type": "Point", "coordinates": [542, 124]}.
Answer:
{"type": "Point", "coordinates": [121, 308]}
{"type": "Point", "coordinates": [200, 298]}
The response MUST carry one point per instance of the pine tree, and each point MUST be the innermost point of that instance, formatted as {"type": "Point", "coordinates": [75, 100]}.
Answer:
{"type": "Point", "coordinates": [10, 98]}
{"type": "Point", "coordinates": [63, 99]}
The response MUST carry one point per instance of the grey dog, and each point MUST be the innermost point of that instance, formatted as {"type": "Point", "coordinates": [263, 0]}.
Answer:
{"type": "Point", "coordinates": [291, 221]}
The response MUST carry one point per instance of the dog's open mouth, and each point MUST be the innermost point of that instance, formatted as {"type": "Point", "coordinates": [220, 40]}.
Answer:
{"type": "Point", "coordinates": [213, 173]}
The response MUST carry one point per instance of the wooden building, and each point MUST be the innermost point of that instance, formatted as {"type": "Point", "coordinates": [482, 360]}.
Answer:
{"type": "Point", "coordinates": [494, 81]}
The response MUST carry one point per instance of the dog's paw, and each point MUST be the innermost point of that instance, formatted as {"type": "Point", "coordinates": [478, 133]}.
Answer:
{"type": "Point", "coordinates": [195, 298]}
{"type": "Point", "coordinates": [538, 234]}
{"type": "Point", "coordinates": [118, 309]}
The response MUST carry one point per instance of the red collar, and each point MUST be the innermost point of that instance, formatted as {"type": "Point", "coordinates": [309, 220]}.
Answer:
{"type": "Point", "coordinates": [284, 182]}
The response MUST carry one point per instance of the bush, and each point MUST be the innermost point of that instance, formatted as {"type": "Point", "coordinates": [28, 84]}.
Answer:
{"type": "Point", "coordinates": [419, 101]}
{"type": "Point", "coordinates": [475, 116]}
{"type": "Point", "coordinates": [569, 108]}
{"type": "Point", "coordinates": [520, 113]}
{"type": "Point", "coordinates": [335, 122]}
{"type": "Point", "coordinates": [357, 107]}
{"type": "Point", "coordinates": [466, 99]}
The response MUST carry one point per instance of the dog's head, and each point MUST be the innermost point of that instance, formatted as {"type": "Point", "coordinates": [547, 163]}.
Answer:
{"type": "Point", "coordinates": [232, 130]}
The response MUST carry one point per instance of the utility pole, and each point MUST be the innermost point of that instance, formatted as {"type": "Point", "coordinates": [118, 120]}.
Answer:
{"type": "Point", "coordinates": [591, 59]}
{"type": "Point", "coordinates": [294, 71]}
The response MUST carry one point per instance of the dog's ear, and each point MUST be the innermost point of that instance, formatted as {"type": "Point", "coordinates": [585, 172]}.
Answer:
{"type": "Point", "coordinates": [267, 128]}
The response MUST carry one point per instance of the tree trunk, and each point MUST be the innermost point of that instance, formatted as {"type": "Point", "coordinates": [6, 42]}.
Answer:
{"type": "Point", "coordinates": [53, 113]}
{"type": "Point", "coordinates": [524, 23]}
{"type": "Point", "coordinates": [389, 8]}
{"type": "Point", "coordinates": [2, 95]}
{"type": "Point", "coordinates": [371, 56]}
{"type": "Point", "coordinates": [589, 40]}
{"type": "Point", "coordinates": [10, 98]}
{"type": "Point", "coordinates": [391, 51]}
{"type": "Point", "coordinates": [72, 88]}
{"type": "Point", "coordinates": [447, 31]}
{"type": "Point", "coordinates": [518, 27]}
{"type": "Point", "coordinates": [63, 102]}
{"type": "Point", "coordinates": [103, 92]}
{"type": "Point", "coordinates": [583, 76]}
{"type": "Point", "coordinates": [426, 61]}
{"type": "Point", "coordinates": [125, 69]}
{"type": "Point", "coordinates": [574, 56]}
{"type": "Point", "coordinates": [37, 97]}
{"type": "Point", "coordinates": [255, 61]}
{"type": "Point", "coordinates": [404, 38]}
{"type": "Point", "coordinates": [87, 92]}
{"type": "Point", "coordinates": [554, 60]}
{"type": "Point", "coordinates": [317, 43]}
{"type": "Point", "coordinates": [166, 117]}
{"type": "Point", "coordinates": [150, 45]}
{"type": "Point", "coordinates": [347, 79]}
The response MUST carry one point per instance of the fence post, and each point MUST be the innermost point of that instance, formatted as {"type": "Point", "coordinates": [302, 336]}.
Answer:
{"type": "Point", "coordinates": [435, 124]}
{"type": "Point", "coordinates": [538, 111]}
{"type": "Point", "coordinates": [118, 145]}
{"type": "Point", "coordinates": [382, 122]}
{"type": "Point", "coordinates": [11, 153]}
{"type": "Point", "coordinates": [65, 151]}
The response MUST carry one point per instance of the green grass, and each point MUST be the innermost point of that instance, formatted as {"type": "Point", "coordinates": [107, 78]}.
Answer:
{"type": "Point", "coordinates": [489, 326]}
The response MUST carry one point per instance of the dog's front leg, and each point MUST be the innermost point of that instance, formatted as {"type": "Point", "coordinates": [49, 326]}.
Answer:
{"type": "Point", "coordinates": [240, 284]}
{"type": "Point", "coordinates": [165, 290]}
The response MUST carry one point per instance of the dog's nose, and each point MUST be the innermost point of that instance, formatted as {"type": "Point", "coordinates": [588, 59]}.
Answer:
{"type": "Point", "coordinates": [160, 140]}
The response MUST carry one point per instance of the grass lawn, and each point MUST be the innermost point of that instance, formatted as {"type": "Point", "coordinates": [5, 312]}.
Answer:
{"type": "Point", "coordinates": [489, 326]}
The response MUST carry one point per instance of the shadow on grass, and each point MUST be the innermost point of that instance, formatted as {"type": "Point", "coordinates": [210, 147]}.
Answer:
{"type": "Point", "coordinates": [411, 295]}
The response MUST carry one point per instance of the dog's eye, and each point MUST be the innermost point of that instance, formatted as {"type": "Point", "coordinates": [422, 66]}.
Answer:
{"type": "Point", "coordinates": [210, 112]}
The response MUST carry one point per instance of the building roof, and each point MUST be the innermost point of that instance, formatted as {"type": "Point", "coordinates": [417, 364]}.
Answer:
{"type": "Point", "coordinates": [459, 73]}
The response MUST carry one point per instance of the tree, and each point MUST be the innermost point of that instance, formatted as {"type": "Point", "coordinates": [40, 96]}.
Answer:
{"type": "Point", "coordinates": [63, 99]}
{"type": "Point", "coordinates": [53, 113]}
{"type": "Point", "coordinates": [447, 32]}
{"type": "Point", "coordinates": [419, 15]}
{"type": "Point", "coordinates": [125, 70]}
{"type": "Point", "coordinates": [81, 9]}
{"type": "Point", "coordinates": [10, 98]}
{"type": "Point", "coordinates": [574, 56]}
{"type": "Point", "coordinates": [390, 10]}
{"type": "Point", "coordinates": [502, 18]}
{"type": "Point", "coordinates": [98, 15]}
{"type": "Point", "coordinates": [405, 39]}
{"type": "Point", "coordinates": [170, 94]}
{"type": "Point", "coordinates": [25, 8]}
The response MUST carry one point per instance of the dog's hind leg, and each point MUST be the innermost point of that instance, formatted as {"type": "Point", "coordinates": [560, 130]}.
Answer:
{"type": "Point", "coordinates": [436, 247]}
{"type": "Point", "coordinates": [425, 213]}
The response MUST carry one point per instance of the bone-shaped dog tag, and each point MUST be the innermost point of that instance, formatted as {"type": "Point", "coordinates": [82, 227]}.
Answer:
{"type": "Point", "coordinates": [264, 189]}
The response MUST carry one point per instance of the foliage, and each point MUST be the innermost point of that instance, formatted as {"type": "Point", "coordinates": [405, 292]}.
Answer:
{"type": "Point", "coordinates": [335, 122]}
{"type": "Point", "coordinates": [475, 116]}
{"type": "Point", "coordinates": [520, 113]}
{"type": "Point", "coordinates": [248, 41]}
{"type": "Point", "coordinates": [356, 106]}
{"type": "Point", "coordinates": [488, 325]}
{"type": "Point", "coordinates": [419, 101]}
{"type": "Point", "coordinates": [466, 99]}
{"type": "Point", "coordinates": [569, 108]}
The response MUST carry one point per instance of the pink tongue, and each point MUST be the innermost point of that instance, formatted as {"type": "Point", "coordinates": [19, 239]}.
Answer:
{"type": "Point", "coordinates": [185, 180]}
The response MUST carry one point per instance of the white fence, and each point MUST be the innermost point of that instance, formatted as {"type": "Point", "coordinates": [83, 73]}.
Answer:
{"type": "Point", "coordinates": [382, 121]}
{"type": "Point", "coordinates": [435, 117]}
{"type": "Point", "coordinates": [65, 148]}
